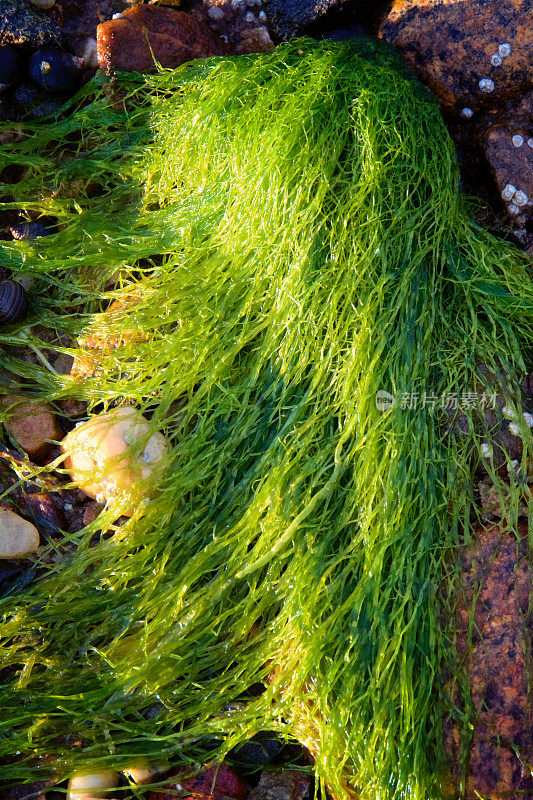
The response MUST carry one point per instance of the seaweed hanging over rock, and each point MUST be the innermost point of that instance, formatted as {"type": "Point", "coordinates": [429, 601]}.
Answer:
{"type": "Point", "coordinates": [290, 229]}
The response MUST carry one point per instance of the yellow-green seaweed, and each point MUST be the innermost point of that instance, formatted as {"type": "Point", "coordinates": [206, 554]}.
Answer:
{"type": "Point", "coordinates": [291, 227]}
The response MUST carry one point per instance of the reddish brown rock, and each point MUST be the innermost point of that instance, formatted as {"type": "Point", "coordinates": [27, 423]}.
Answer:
{"type": "Point", "coordinates": [508, 149]}
{"type": "Point", "coordinates": [470, 53]}
{"type": "Point", "coordinates": [34, 426]}
{"type": "Point", "coordinates": [493, 642]}
{"type": "Point", "coordinates": [215, 783]}
{"type": "Point", "coordinates": [174, 37]}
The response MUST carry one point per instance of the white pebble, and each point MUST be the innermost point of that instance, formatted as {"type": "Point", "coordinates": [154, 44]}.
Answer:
{"type": "Point", "coordinates": [528, 419]}
{"type": "Point", "coordinates": [513, 210]}
{"type": "Point", "coordinates": [504, 50]}
{"type": "Point", "coordinates": [117, 16]}
{"type": "Point", "coordinates": [509, 192]}
{"type": "Point", "coordinates": [513, 428]}
{"type": "Point", "coordinates": [466, 113]}
{"type": "Point", "coordinates": [496, 60]}
{"type": "Point", "coordinates": [486, 85]}
{"type": "Point", "coordinates": [518, 140]}
{"type": "Point", "coordinates": [520, 198]}
{"type": "Point", "coordinates": [508, 413]}
{"type": "Point", "coordinates": [216, 13]}
{"type": "Point", "coordinates": [68, 506]}
{"type": "Point", "coordinates": [486, 449]}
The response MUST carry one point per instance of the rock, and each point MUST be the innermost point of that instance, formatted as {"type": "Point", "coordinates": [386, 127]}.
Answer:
{"type": "Point", "coordinates": [18, 537]}
{"type": "Point", "coordinates": [227, 786]}
{"type": "Point", "coordinates": [23, 25]}
{"type": "Point", "coordinates": [288, 17]}
{"type": "Point", "coordinates": [493, 627]}
{"type": "Point", "coordinates": [174, 36]}
{"type": "Point", "coordinates": [470, 53]}
{"type": "Point", "coordinates": [287, 784]}
{"type": "Point", "coordinates": [255, 40]}
{"type": "Point", "coordinates": [101, 459]}
{"type": "Point", "coordinates": [143, 772]}
{"type": "Point", "coordinates": [258, 751]}
{"type": "Point", "coordinates": [90, 787]}
{"type": "Point", "coordinates": [508, 148]}
{"type": "Point", "coordinates": [91, 512]}
{"type": "Point", "coordinates": [34, 426]}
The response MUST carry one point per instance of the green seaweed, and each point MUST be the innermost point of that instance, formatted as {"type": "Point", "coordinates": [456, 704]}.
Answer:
{"type": "Point", "coordinates": [291, 227]}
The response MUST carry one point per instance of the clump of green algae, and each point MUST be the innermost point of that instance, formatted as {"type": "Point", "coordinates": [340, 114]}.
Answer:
{"type": "Point", "coordinates": [292, 228]}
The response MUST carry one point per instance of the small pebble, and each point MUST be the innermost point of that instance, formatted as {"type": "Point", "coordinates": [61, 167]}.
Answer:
{"type": "Point", "coordinates": [530, 142]}
{"type": "Point", "coordinates": [90, 787]}
{"type": "Point", "coordinates": [504, 50]}
{"type": "Point", "coordinates": [509, 192]}
{"type": "Point", "coordinates": [118, 15]}
{"type": "Point", "coordinates": [520, 198]}
{"type": "Point", "coordinates": [513, 428]}
{"type": "Point", "coordinates": [528, 419]}
{"type": "Point", "coordinates": [18, 537]}
{"type": "Point", "coordinates": [486, 449]}
{"type": "Point", "coordinates": [518, 140]}
{"type": "Point", "coordinates": [513, 210]}
{"type": "Point", "coordinates": [216, 13]}
{"type": "Point", "coordinates": [496, 60]}
{"type": "Point", "coordinates": [486, 85]}
{"type": "Point", "coordinates": [249, 17]}
{"type": "Point", "coordinates": [466, 113]}
{"type": "Point", "coordinates": [262, 16]}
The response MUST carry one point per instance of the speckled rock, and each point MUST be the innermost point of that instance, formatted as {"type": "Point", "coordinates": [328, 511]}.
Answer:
{"type": "Point", "coordinates": [287, 784]}
{"type": "Point", "coordinates": [175, 37]}
{"type": "Point", "coordinates": [493, 642]}
{"type": "Point", "coordinates": [508, 149]}
{"type": "Point", "coordinates": [470, 53]}
{"type": "Point", "coordinates": [227, 786]}
{"type": "Point", "coordinates": [18, 537]}
{"type": "Point", "coordinates": [289, 17]}
{"type": "Point", "coordinates": [22, 24]}
{"type": "Point", "coordinates": [33, 425]}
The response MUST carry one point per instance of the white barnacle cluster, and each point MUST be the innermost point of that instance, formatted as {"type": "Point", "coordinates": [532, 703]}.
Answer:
{"type": "Point", "coordinates": [486, 85]}
{"type": "Point", "coordinates": [511, 415]}
{"type": "Point", "coordinates": [515, 198]}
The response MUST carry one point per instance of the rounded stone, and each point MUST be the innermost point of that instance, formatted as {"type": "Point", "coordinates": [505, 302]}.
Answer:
{"type": "Point", "coordinates": [518, 140]}
{"type": "Point", "coordinates": [92, 786]}
{"type": "Point", "coordinates": [18, 537]}
{"type": "Point", "coordinates": [116, 456]}
{"type": "Point", "coordinates": [520, 198]}
{"type": "Point", "coordinates": [509, 192]}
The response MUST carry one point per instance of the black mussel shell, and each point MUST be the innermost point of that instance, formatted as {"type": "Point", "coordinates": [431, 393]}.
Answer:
{"type": "Point", "coordinates": [29, 230]}
{"type": "Point", "coordinates": [55, 70]}
{"type": "Point", "coordinates": [13, 303]}
{"type": "Point", "coordinates": [8, 64]}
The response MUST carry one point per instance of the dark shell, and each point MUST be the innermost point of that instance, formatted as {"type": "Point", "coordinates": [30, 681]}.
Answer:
{"type": "Point", "coordinates": [13, 303]}
{"type": "Point", "coordinates": [29, 230]}
{"type": "Point", "coordinates": [8, 64]}
{"type": "Point", "coordinates": [55, 70]}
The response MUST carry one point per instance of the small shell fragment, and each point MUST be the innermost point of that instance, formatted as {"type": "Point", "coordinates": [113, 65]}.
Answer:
{"type": "Point", "coordinates": [504, 50]}
{"type": "Point", "coordinates": [496, 60]}
{"type": "Point", "coordinates": [509, 192]}
{"type": "Point", "coordinates": [486, 85]}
